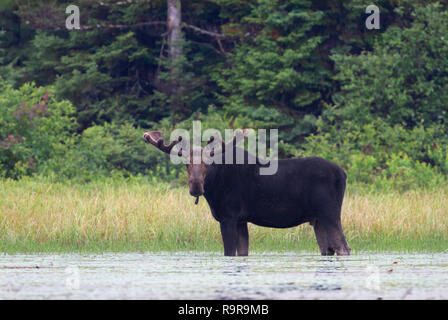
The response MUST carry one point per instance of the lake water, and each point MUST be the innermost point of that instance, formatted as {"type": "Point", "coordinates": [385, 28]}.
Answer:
{"type": "Point", "coordinates": [185, 275]}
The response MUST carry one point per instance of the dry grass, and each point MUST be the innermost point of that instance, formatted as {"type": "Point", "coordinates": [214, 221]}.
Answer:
{"type": "Point", "coordinates": [41, 216]}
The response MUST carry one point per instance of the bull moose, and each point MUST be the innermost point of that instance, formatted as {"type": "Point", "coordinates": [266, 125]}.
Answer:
{"type": "Point", "coordinates": [302, 190]}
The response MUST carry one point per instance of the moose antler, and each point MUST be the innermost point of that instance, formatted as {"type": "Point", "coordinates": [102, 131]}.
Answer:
{"type": "Point", "coordinates": [155, 138]}
{"type": "Point", "coordinates": [224, 145]}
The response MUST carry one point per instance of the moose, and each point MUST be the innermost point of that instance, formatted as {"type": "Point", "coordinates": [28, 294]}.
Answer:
{"type": "Point", "coordinates": [302, 190]}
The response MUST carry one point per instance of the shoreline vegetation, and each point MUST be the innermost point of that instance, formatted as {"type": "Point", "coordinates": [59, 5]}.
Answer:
{"type": "Point", "coordinates": [116, 215]}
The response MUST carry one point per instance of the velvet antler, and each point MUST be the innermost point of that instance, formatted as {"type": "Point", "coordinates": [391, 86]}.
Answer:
{"type": "Point", "coordinates": [155, 138]}
{"type": "Point", "coordinates": [224, 145]}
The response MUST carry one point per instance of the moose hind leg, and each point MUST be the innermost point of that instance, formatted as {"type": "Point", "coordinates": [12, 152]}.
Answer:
{"type": "Point", "coordinates": [330, 237]}
{"type": "Point", "coordinates": [243, 240]}
{"type": "Point", "coordinates": [342, 248]}
{"type": "Point", "coordinates": [229, 232]}
{"type": "Point", "coordinates": [321, 237]}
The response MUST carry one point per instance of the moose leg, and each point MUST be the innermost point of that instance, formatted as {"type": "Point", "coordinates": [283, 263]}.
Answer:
{"type": "Point", "coordinates": [330, 237]}
{"type": "Point", "coordinates": [243, 240]}
{"type": "Point", "coordinates": [341, 245]}
{"type": "Point", "coordinates": [229, 232]}
{"type": "Point", "coordinates": [321, 237]}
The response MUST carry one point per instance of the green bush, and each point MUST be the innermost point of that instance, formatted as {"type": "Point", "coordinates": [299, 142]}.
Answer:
{"type": "Point", "coordinates": [379, 156]}
{"type": "Point", "coordinates": [37, 136]}
{"type": "Point", "coordinates": [34, 127]}
{"type": "Point", "coordinates": [112, 150]}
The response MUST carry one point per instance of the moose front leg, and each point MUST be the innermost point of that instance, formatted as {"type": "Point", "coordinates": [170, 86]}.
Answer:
{"type": "Point", "coordinates": [243, 240]}
{"type": "Point", "coordinates": [229, 232]}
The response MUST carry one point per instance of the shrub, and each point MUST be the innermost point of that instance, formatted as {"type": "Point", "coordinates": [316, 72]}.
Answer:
{"type": "Point", "coordinates": [380, 156]}
{"type": "Point", "coordinates": [111, 150]}
{"type": "Point", "coordinates": [34, 127]}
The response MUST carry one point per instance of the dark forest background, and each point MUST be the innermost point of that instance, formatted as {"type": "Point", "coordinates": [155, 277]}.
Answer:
{"type": "Point", "coordinates": [74, 103]}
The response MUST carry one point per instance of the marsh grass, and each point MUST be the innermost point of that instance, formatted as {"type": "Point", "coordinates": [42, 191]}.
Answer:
{"type": "Point", "coordinates": [39, 216]}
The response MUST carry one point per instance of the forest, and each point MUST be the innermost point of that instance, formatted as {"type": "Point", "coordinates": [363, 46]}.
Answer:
{"type": "Point", "coordinates": [75, 103]}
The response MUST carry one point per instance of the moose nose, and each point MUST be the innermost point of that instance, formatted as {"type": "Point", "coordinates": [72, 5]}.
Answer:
{"type": "Point", "coordinates": [196, 190]}
{"type": "Point", "coordinates": [195, 193]}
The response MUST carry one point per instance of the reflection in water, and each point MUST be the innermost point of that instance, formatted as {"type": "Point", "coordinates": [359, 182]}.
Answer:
{"type": "Point", "coordinates": [185, 275]}
{"type": "Point", "coordinates": [328, 274]}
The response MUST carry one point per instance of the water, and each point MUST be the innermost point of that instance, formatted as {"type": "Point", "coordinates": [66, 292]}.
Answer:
{"type": "Point", "coordinates": [184, 275]}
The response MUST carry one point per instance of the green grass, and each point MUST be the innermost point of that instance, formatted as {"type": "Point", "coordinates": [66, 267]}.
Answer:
{"type": "Point", "coordinates": [120, 216]}
{"type": "Point", "coordinates": [429, 244]}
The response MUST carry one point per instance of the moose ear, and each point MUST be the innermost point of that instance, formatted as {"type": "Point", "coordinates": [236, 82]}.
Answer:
{"type": "Point", "coordinates": [212, 152]}
{"type": "Point", "coordinates": [214, 141]}
{"type": "Point", "coordinates": [240, 134]}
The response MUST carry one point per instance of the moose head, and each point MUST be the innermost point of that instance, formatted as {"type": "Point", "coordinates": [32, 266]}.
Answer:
{"type": "Point", "coordinates": [197, 170]}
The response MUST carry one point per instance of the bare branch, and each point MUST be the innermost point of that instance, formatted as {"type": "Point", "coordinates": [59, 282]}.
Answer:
{"type": "Point", "coordinates": [221, 48]}
{"type": "Point", "coordinates": [206, 32]}
{"type": "Point", "coordinates": [50, 18]}
{"type": "Point", "coordinates": [209, 46]}
{"type": "Point", "coordinates": [122, 3]}
{"type": "Point", "coordinates": [123, 26]}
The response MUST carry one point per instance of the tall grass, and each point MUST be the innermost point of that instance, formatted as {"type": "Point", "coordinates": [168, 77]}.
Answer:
{"type": "Point", "coordinates": [39, 216]}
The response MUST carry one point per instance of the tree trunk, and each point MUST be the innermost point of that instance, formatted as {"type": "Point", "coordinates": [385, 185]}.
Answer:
{"type": "Point", "coordinates": [174, 23]}
{"type": "Point", "coordinates": [174, 29]}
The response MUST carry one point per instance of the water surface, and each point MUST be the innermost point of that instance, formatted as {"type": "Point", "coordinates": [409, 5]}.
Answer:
{"type": "Point", "coordinates": [185, 275]}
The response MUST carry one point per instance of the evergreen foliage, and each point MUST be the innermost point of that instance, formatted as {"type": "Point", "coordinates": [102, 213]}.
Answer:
{"type": "Point", "coordinates": [74, 104]}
